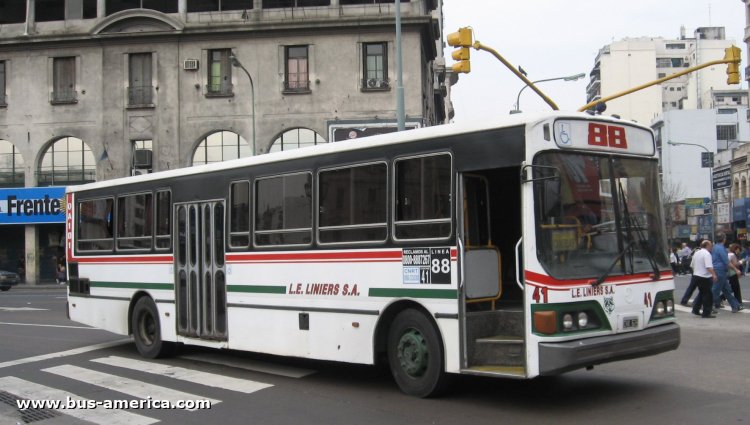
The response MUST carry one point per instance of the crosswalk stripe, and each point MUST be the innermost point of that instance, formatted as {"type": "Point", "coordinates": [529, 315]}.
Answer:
{"type": "Point", "coordinates": [33, 391]}
{"type": "Point", "coordinates": [247, 364]}
{"type": "Point", "coordinates": [123, 385]}
{"type": "Point", "coordinates": [204, 378]}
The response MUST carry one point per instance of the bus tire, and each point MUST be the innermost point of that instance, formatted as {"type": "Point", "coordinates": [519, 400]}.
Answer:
{"type": "Point", "coordinates": [415, 354]}
{"type": "Point", "coordinates": [147, 330]}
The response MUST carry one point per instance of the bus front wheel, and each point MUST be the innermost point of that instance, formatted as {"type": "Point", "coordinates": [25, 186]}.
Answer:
{"type": "Point", "coordinates": [147, 330]}
{"type": "Point", "coordinates": [415, 354]}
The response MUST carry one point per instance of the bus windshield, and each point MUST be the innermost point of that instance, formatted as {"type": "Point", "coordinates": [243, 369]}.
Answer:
{"type": "Point", "coordinates": [590, 209]}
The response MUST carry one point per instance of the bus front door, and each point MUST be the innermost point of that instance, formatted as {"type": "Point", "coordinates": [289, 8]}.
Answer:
{"type": "Point", "coordinates": [200, 271]}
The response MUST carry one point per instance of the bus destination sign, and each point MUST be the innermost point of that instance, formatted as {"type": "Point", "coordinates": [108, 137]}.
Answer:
{"type": "Point", "coordinates": [603, 136]}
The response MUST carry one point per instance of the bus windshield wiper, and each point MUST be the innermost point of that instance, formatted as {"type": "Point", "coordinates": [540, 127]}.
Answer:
{"type": "Point", "coordinates": [600, 279]}
{"type": "Point", "coordinates": [630, 223]}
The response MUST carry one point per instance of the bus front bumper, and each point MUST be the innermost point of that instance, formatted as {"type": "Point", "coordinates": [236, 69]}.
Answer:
{"type": "Point", "coordinates": [559, 357]}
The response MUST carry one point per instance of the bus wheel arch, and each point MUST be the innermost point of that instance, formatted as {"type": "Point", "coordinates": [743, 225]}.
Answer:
{"type": "Point", "coordinates": [145, 326]}
{"type": "Point", "coordinates": [409, 337]}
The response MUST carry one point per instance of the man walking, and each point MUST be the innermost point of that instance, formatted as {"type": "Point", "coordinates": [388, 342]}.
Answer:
{"type": "Point", "coordinates": [722, 265]}
{"type": "Point", "coordinates": [703, 276]}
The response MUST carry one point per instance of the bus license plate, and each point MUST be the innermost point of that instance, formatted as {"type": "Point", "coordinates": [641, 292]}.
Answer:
{"type": "Point", "coordinates": [630, 322]}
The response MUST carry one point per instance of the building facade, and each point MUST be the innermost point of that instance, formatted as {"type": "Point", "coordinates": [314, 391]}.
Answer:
{"type": "Point", "coordinates": [98, 89]}
{"type": "Point", "coordinates": [631, 62]}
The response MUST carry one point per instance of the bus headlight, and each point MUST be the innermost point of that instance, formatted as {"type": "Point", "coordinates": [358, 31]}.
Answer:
{"type": "Point", "coordinates": [660, 308]}
{"type": "Point", "coordinates": [567, 321]}
{"type": "Point", "coordinates": [583, 319]}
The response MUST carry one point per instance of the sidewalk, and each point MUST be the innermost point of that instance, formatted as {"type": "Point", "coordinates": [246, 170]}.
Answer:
{"type": "Point", "coordinates": [45, 284]}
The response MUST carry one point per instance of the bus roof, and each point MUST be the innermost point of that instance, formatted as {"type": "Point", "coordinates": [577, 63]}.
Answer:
{"type": "Point", "coordinates": [354, 144]}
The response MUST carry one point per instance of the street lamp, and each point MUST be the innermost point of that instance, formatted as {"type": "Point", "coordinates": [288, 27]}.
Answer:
{"type": "Point", "coordinates": [237, 64]}
{"type": "Point", "coordinates": [711, 180]}
{"type": "Point", "coordinates": [568, 78]}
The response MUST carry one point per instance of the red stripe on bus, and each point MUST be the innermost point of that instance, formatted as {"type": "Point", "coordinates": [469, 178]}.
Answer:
{"type": "Point", "coordinates": [542, 279]}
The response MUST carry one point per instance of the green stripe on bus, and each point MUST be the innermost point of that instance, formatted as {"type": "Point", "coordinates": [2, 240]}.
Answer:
{"type": "Point", "coordinates": [450, 294]}
{"type": "Point", "coordinates": [133, 285]}
{"type": "Point", "coordinates": [257, 289]}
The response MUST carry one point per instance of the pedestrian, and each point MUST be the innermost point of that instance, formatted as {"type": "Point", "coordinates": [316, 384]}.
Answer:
{"type": "Point", "coordinates": [734, 277]}
{"type": "Point", "coordinates": [673, 261]}
{"type": "Point", "coordinates": [687, 267]}
{"type": "Point", "coordinates": [722, 265]}
{"type": "Point", "coordinates": [703, 276]}
{"type": "Point", "coordinates": [746, 257]}
{"type": "Point", "coordinates": [684, 257]}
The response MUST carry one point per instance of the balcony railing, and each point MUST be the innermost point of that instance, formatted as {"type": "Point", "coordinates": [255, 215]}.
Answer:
{"type": "Point", "coordinates": [64, 177]}
{"type": "Point", "coordinates": [219, 90]}
{"type": "Point", "coordinates": [297, 86]}
{"type": "Point", "coordinates": [64, 96]}
{"type": "Point", "coordinates": [140, 96]}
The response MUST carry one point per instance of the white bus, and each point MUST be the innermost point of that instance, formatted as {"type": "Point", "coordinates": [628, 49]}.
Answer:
{"type": "Point", "coordinates": [530, 246]}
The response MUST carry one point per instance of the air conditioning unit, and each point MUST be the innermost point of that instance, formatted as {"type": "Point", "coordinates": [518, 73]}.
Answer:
{"type": "Point", "coordinates": [190, 64]}
{"type": "Point", "coordinates": [377, 83]}
{"type": "Point", "coordinates": [142, 158]}
{"type": "Point", "coordinates": [135, 172]}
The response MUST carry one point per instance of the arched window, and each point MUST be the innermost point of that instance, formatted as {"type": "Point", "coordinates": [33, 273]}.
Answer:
{"type": "Point", "coordinates": [743, 187]}
{"type": "Point", "coordinates": [221, 146]}
{"type": "Point", "coordinates": [67, 161]}
{"type": "Point", "coordinates": [736, 189]}
{"type": "Point", "coordinates": [11, 165]}
{"type": "Point", "coordinates": [296, 138]}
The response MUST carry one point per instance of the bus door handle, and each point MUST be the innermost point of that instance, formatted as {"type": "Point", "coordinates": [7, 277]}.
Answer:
{"type": "Point", "coordinates": [518, 269]}
{"type": "Point", "coordinates": [461, 257]}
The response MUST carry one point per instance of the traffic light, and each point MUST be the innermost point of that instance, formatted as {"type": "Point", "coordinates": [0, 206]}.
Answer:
{"type": "Point", "coordinates": [733, 68]}
{"type": "Point", "coordinates": [463, 38]}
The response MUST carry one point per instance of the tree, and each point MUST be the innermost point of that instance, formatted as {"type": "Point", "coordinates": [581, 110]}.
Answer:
{"type": "Point", "coordinates": [672, 197]}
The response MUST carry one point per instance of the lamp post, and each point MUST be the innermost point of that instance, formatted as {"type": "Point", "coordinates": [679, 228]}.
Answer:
{"type": "Point", "coordinates": [237, 64]}
{"type": "Point", "coordinates": [711, 180]}
{"type": "Point", "coordinates": [568, 78]}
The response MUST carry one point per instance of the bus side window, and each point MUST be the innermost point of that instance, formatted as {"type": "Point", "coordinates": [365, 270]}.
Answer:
{"type": "Point", "coordinates": [163, 219]}
{"type": "Point", "coordinates": [283, 210]}
{"type": "Point", "coordinates": [423, 197]}
{"type": "Point", "coordinates": [239, 214]}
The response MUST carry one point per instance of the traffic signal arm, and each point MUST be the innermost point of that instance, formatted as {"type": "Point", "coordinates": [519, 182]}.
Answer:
{"type": "Point", "coordinates": [731, 58]}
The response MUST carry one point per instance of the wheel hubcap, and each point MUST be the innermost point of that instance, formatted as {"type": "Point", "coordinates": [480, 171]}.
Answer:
{"type": "Point", "coordinates": [148, 329]}
{"type": "Point", "coordinates": [412, 353]}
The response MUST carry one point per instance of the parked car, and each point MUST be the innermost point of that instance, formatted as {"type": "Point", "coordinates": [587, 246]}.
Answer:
{"type": "Point", "coordinates": [8, 279]}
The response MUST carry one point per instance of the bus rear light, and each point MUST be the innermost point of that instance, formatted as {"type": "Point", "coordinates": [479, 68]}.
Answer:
{"type": "Point", "coordinates": [545, 322]}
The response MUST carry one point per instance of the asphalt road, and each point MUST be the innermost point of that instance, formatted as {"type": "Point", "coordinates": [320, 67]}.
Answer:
{"type": "Point", "coordinates": [44, 354]}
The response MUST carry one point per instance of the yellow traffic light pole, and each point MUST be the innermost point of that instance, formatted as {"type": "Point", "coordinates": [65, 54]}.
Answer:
{"type": "Point", "coordinates": [479, 46]}
{"type": "Point", "coordinates": [731, 58]}
{"type": "Point", "coordinates": [463, 39]}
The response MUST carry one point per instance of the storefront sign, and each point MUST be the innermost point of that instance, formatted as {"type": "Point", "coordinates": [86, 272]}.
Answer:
{"type": "Point", "coordinates": [33, 205]}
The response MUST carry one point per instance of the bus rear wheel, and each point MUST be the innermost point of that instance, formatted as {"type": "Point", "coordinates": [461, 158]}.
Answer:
{"type": "Point", "coordinates": [147, 330]}
{"type": "Point", "coordinates": [415, 354]}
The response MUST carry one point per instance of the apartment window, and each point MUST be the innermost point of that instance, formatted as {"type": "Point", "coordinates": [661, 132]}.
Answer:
{"type": "Point", "coordinates": [296, 69]}
{"type": "Point", "coordinates": [661, 74]}
{"type": "Point", "coordinates": [353, 204]}
{"type": "Point", "coordinates": [673, 46]}
{"type": "Point", "coordinates": [11, 165]}
{"type": "Point", "coordinates": [726, 132]}
{"type": "Point", "coordinates": [726, 111]}
{"type": "Point", "coordinates": [218, 5]}
{"type": "Point", "coordinates": [2, 84]}
{"type": "Point", "coordinates": [164, 6]}
{"type": "Point", "coordinates": [219, 73]}
{"type": "Point", "coordinates": [283, 210]}
{"type": "Point", "coordinates": [344, 2]}
{"type": "Point", "coordinates": [221, 146]}
{"type": "Point", "coordinates": [423, 197]}
{"type": "Point", "coordinates": [49, 10]}
{"type": "Point", "coordinates": [663, 63]}
{"type": "Point", "coordinates": [375, 66]}
{"type": "Point", "coordinates": [296, 138]}
{"type": "Point", "coordinates": [142, 158]}
{"type": "Point", "coordinates": [13, 12]}
{"type": "Point", "coordinates": [64, 80]}
{"type": "Point", "coordinates": [140, 86]}
{"type": "Point", "coordinates": [678, 62]}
